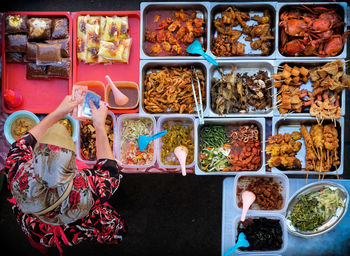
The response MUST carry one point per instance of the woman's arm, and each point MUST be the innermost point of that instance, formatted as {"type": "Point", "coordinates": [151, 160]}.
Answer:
{"type": "Point", "coordinates": [103, 150]}
{"type": "Point", "coordinates": [61, 111]}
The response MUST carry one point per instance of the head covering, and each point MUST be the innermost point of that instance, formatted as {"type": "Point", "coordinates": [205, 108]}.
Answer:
{"type": "Point", "coordinates": [53, 166]}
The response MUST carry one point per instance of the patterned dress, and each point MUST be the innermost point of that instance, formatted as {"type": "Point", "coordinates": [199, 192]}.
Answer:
{"type": "Point", "coordinates": [103, 224]}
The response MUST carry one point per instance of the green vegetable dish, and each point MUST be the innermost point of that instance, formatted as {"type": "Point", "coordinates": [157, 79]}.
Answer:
{"type": "Point", "coordinates": [316, 208]}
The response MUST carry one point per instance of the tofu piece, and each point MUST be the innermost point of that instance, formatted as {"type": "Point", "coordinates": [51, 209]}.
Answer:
{"type": "Point", "coordinates": [304, 71]}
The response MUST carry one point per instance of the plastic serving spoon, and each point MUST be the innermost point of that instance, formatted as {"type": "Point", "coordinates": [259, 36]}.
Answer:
{"type": "Point", "coordinates": [181, 154]}
{"type": "Point", "coordinates": [241, 242]}
{"type": "Point", "coordinates": [119, 98]}
{"type": "Point", "coordinates": [145, 140]}
{"type": "Point", "coordinates": [196, 48]}
{"type": "Point", "coordinates": [248, 198]}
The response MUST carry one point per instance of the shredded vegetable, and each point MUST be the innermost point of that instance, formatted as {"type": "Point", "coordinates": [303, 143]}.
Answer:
{"type": "Point", "coordinates": [314, 209]}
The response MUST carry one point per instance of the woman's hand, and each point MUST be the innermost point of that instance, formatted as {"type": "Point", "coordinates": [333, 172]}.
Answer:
{"type": "Point", "coordinates": [99, 115]}
{"type": "Point", "coordinates": [67, 105]}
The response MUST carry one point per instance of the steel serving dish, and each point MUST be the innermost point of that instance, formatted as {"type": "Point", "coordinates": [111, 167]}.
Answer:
{"type": "Point", "coordinates": [332, 222]}
{"type": "Point", "coordinates": [291, 124]}
{"type": "Point", "coordinates": [202, 9]}
{"type": "Point", "coordinates": [234, 123]}
{"type": "Point", "coordinates": [243, 66]}
{"type": "Point", "coordinates": [309, 64]}
{"type": "Point", "coordinates": [281, 7]}
{"type": "Point", "coordinates": [254, 8]}
{"type": "Point", "coordinates": [147, 65]}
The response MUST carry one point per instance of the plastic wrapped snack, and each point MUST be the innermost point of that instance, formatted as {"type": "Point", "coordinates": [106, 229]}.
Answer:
{"type": "Point", "coordinates": [35, 71]}
{"type": "Point", "coordinates": [111, 51]}
{"type": "Point", "coordinates": [47, 54]}
{"type": "Point", "coordinates": [14, 57]}
{"type": "Point", "coordinates": [91, 55]}
{"type": "Point", "coordinates": [126, 53]}
{"type": "Point", "coordinates": [59, 70]}
{"type": "Point", "coordinates": [31, 52]}
{"type": "Point", "coordinates": [59, 28]}
{"type": "Point", "coordinates": [112, 29]}
{"type": "Point", "coordinates": [16, 24]}
{"type": "Point", "coordinates": [64, 46]}
{"type": "Point", "coordinates": [93, 20]}
{"type": "Point", "coordinates": [92, 36]}
{"type": "Point", "coordinates": [102, 26]}
{"type": "Point", "coordinates": [39, 28]}
{"type": "Point", "coordinates": [124, 28]}
{"type": "Point", "coordinates": [81, 38]}
{"type": "Point", "coordinates": [16, 43]}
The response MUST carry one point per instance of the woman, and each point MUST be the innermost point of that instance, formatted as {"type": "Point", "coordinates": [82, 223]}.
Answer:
{"type": "Point", "coordinates": [54, 203]}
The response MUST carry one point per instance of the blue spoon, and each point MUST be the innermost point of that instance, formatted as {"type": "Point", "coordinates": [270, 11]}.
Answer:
{"type": "Point", "coordinates": [241, 242]}
{"type": "Point", "coordinates": [145, 140]}
{"type": "Point", "coordinates": [196, 48]}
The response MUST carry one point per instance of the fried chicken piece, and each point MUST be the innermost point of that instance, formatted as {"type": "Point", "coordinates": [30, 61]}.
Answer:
{"type": "Point", "coordinates": [156, 48]}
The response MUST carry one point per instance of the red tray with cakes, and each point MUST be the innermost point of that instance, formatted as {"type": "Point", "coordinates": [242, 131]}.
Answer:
{"type": "Point", "coordinates": [36, 59]}
{"type": "Point", "coordinates": [106, 43]}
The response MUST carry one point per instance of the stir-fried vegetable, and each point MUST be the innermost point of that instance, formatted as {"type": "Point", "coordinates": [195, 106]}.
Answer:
{"type": "Point", "coordinates": [314, 209]}
{"type": "Point", "coordinates": [130, 152]}
{"type": "Point", "coordinates": [214, 136]}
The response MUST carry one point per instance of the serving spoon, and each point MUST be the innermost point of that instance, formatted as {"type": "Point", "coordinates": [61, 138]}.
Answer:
{"type": "Point", "coordinates": [181, 153]}
{"type": "Point", "coordinates": [248, 198]}
{"type": "Point", "coordinates": [119, 98]}
{"type": "Point", "coordinates": [241, 242]}
{"type": "Point", "coordinates": [144, 140]}
{"type": "Point", "coordinates": [196, 48]}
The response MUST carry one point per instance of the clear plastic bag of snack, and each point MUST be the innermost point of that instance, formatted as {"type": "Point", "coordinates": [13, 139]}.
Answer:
{"type": "Point", "coordinates": [16, 24]}
{"type": "Point", "coordinates": [59, 28]}
{"type": "Point", "coordinates": [48, 54]}
{"type": "Point", "coordinates": [64, 46]}
{"type": "Point", "coordinates": [16, 43]}
{"type": "Point", "coordinates": [60, 70]}
{"type": "Point", "coordinates": [39, 29]}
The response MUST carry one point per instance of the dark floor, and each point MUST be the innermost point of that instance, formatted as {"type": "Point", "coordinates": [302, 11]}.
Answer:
{"type": "Point", "coordinates": [167, 214]}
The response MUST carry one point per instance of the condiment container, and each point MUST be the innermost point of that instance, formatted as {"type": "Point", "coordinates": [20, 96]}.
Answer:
{"type": "Point", "coordinates": [278, 177]}
{"type": "Point", "coordinates": [129, 89]}
{"type": "Point", "coordinates": [187, 120]}
{"type": "Point", "coordinates": [104, 90]}
{"type": "Point", "coordinates": [78, 148]}
{"type": "Point", "coordinates": [118, 138]}
{"type": "Point", "coordinates": [274, 216]}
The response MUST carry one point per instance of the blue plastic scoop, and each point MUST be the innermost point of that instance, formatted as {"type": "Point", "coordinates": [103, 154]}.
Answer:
{"type": "Point", "coordinates": [241, 242]}
{"type": "Point", "coordinates": [196, 48]}
{"type": "Point", "coordinates": [145, 140]}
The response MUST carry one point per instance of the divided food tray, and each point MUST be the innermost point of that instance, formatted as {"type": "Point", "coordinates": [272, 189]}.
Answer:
{"type": "Point", "coordinates": [202, 10]}
{"type": "Point", "coordinates": [39, 96]}
{"type": "Point", "coordinates": [291, 124]}
{"type": "Point", "coordinates": [146, 66]}
{"type": "Point", "coordinates": [309, 64]}
{"type": "Point", "coordinates": [254, 8]}
{"type": "Point", "coordinates": [281, 7]}
{"type": "Point", "coordinates": [117, 71]}
{"type": "Point", "coordinates": [243, 66]}
{"type": "Point", "coordinates": [235, 123]}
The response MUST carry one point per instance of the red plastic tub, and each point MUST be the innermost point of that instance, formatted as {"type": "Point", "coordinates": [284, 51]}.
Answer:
{"type": "Point", "coordinates": [39, 96]}
{"type": "Point", "coordinates": [117, 71]}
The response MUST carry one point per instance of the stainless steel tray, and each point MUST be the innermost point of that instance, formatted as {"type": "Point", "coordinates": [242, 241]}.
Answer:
{"type": "Point", "coordinates": [307, 64]}
{"type": "Point", "coordinates": [147, 65]}
{"type": "Point", "coordinates": [291, 124]}
{"type": "Point", "coordinates": [282, 6]}
{"type": "Point", "coordinates": [202, 9]}
{"type": "Point", "coordinates": [242, 67]}
{"type": "Point", "coordinates": [260, 122]}
{"type": "Point", "coordinates": [332, 222]}
{"type": "Point", "coordinates": [255, 8]}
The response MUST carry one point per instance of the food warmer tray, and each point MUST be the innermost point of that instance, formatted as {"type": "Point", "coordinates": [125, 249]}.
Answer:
{"type": "Point", "coordinates": [291, 124]}
{"type": "Point", "coordinates": [147, 65]}
{"type": "Point", "coordinates": [307, 64]}
{"type": "Point", "coordinates": [217, 7]}
{"type": "Point", "coordinates": [203, 10]}
{"type": "Point", "coordinates": [280, 7]}
{"type": "Point", "coordinates": [260, 122]}
{"type": "Point", "coordinates": [242, 67]}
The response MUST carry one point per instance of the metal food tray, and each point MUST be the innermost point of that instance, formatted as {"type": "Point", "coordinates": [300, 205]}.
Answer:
{"type": "Point", "coordinates": [254, 8]}
{"type": "Point", "coordinates": [307, 64]}
{"type": "Point", "coordinates": [242, 67]}
{"type": "Point", "coordinates": [202, 9]}
{"type": "Point", "coordinates": [147, 65]}
{"type": "Point", "coordinates": [280, 8]}
{"type": "Point", "coordinates": [260, 122]}
{"type": "Point", "coordinates": [291, 124]}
